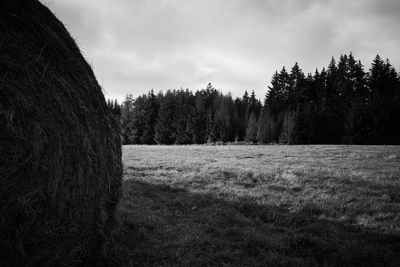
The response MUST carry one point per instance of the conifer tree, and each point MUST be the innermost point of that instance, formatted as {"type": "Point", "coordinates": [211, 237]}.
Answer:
{"type": "Point", "coordinates": [127, 120]}
{"type": "Point", "coordinates": [183, 116]}
{"type": "Point", "coordinates": [165, 129]}
{"type": "Point", "coordinates": [262, 128]}
{"type": "Point", "coordinates": [251, 132]}
{"type": "Point", "coordinates": [296, 90]}
{"type": "Point", "coordinates": [199, 121]}
{"type": "Point", "coordinates": [287, 129]}
{"type": "Point", "coordinates": [150, 115]}
{"type": "Point", "coordinates": [240, 119]}
{"type": "Point", "coordinates": [383, 108]}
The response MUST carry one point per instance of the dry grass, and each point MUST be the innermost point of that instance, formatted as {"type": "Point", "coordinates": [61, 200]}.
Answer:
{"type": "Point", "coordinates": [261, 205]}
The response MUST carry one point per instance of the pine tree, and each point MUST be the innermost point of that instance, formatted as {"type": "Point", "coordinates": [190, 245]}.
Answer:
{"type": "Point", "coordinates": [273, 98]}
{"type": "Point", "coordinates": [199, 121]}
{"type": "Point", "coordinates": [240, 119]}
{"type": "Point", "coordinates": [383, 107]}
{"type": "Point", "coordinates": [300, 126]}
{"type": "Point", "coordinates": [251, 132]}
{"type": "Point", "coordinates": [223, 120]}
{"type": "Point", "coordinates": [150, 115]}
{"type": "Point", "coordinates": [117, 108]}
{"type": "Point", "coordinates": [246, 106]}
{"type": "Point", "coordinates": [272, 129]}
{"type": "Point", "coordinates": [356, 102]}
{"type": "Point", "coordinates": [296, 90]}
{"type": "Point", "coordinates": [254, 105]}
{"type": "Point", "coordinates": [127, 120]}
{"type": "Point", "coordinates": [183, 116]}
{"type": "Point", "coordinates": [357, 123]}
{"type": "Point", "coordinates": [165, 129]}
{"type": "Point", "coordinates": [211, 96]}
{"type": "Point", "coordinates": [287, 129]}
{"type": "Point", "coordinates": [331, 112]}
{"type": "Point", "coordinates": [262, 128]}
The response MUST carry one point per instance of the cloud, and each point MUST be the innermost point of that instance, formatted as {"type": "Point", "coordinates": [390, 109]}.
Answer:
{"type": "Point", "coordinates": [138, 45]}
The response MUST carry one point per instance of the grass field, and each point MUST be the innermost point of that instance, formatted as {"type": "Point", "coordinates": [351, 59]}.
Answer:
{"type": "Point", "coordinates": [260, 206]}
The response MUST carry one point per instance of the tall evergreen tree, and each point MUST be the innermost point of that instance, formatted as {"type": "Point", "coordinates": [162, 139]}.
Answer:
{"type": "Point", "coordinates": [251, 132]}
{"type": "Point", "coordinates": [240, 119]}
{"type": "Point", "coordinates": [183, 116]}
{"type": "Point", "coordinates": [287, 129]}
{"type": "Point", "coordinates": [383, 107]}
{"type": "Point", "coordinates": [128, 127]}
{"type": "Point", "coordinates": [297, 89]}
{"type": "Point", "coordinates": [199, 121]}
{"type": "Point", "coordinates": [165, 129]}
{"type": "Point", "coordinates": [150, 115]}
{"type": "Point", "coordinates": [262, 127]}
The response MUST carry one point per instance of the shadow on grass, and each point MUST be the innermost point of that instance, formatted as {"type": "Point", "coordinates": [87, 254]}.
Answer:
{"type": "Point", "coordinates": [167, 226]}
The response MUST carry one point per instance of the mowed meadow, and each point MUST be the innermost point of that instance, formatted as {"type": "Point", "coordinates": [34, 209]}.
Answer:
{"type": "Point", "coordinates": [269, 205]}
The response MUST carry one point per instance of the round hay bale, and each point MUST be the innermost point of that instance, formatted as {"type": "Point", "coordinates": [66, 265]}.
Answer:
{"type": "Point", "coordinates": [60, 151]}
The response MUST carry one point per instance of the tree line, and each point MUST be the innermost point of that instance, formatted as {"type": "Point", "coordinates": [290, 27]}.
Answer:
{"type": "Point", "coordinates": [342, 103]}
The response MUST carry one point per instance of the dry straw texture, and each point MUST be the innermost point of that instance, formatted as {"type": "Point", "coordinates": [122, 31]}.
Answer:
{"type": "Point", "coordinates": [60, 153]}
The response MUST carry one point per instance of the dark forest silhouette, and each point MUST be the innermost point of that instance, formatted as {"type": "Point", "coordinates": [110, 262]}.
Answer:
{"type": "Point", "coordinates": [340, 104]}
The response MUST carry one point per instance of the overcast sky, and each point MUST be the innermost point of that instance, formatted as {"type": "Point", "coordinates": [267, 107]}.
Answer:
{"type": "Point", "coordinates": [138, 45]}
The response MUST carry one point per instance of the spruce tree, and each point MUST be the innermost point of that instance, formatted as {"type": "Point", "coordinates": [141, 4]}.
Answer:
{"type": "Point", "coordinates": [199, 121]}
{"type": "Point", "coordinates": [165, 129]}
{"type": "Point", "coordinates": [286, 135]}
{"type": "Point", "coordinates": [127, 116]}
{"type": "Point", "coordinates": [262, 128]}
{"type": "Point", "coordinates": [296, 90]}
{"type": "Point", "coordinates": [183, 116]}
{"type": "Point", "coordinates": [251, 132]}
{"type": "Point", "coordinates": [150, 115]}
